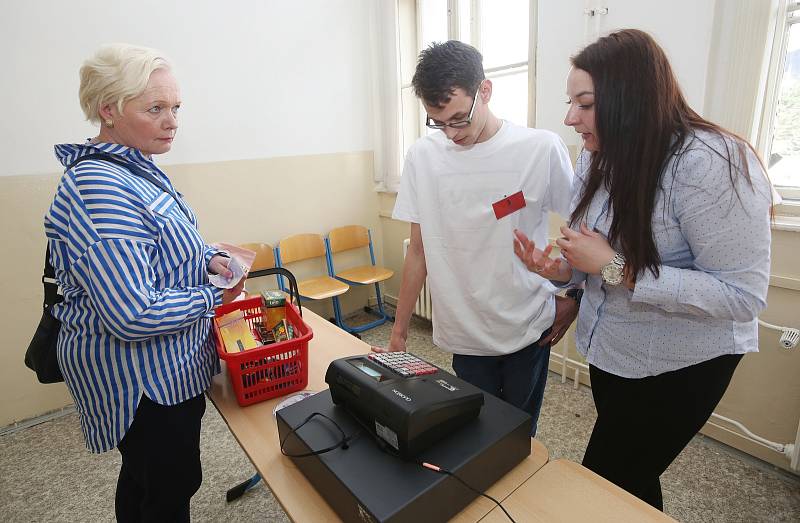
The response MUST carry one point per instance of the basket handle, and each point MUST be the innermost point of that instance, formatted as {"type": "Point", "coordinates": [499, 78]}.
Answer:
{"type": "Point", "coordinates": [293, 292]}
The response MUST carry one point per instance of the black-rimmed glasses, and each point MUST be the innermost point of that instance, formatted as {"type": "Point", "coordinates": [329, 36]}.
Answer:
{"type": "Point", "coordinates": [433, 124]}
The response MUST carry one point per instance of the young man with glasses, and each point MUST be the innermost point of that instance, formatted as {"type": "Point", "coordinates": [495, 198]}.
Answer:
{"type": "Point", "coordinates": [465, 190]}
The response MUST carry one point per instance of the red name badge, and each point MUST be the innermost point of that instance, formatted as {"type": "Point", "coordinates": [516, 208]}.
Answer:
{"type": "Point", "coordinates": [508, 205]}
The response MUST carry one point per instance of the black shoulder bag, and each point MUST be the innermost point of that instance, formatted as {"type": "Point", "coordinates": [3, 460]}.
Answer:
{"type": "Point", "coordinates": [42, 354]}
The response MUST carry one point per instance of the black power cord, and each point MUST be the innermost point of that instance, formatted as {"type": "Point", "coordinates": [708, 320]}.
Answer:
{"type": "Point", "coordinates": [341, 444]}
{"type": "Point", "coordinates": [446, 472]}
{"type": "Point", "coordinates": [393, 452]}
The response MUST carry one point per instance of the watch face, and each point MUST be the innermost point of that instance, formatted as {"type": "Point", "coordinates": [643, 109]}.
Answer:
{"type": "Point", "coordinates": [612, 274]}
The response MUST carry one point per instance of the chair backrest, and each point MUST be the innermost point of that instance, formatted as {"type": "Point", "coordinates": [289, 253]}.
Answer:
{"type": "Point", "coordinates": [265, 256]}
{"type": "Point", "coordinates": [301, 247]}
{"type": "Point", "coordinates": [348, 237]}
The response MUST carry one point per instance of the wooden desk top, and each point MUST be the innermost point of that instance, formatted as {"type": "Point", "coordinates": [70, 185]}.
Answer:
{"type": "Point", "coordinates": [256, 430]}
{"type": "Point", "coordinates": [566, 491]}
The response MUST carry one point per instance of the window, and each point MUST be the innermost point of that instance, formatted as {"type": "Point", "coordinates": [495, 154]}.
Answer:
{"type": "Point", "coordinates": [499, 30]}
{"type": "Point", "coordinates": [781, 119]}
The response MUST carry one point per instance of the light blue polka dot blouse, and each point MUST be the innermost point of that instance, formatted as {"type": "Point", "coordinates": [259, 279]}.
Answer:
{"type": "Point", "coordinates": [715, 254]}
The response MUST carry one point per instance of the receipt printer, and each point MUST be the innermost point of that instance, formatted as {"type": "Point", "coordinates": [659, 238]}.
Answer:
{"type": "Point", "coordinates": [406, 402]}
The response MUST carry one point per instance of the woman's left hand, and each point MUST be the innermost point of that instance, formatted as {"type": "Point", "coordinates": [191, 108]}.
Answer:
{"type": "Point", "coordinates": [586, 250]}
{"type": "Point", "coordinates": [219, 265]}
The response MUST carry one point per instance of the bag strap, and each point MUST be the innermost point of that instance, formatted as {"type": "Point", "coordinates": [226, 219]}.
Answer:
{"type": "Point", "coordinates": [293, 290]}
{"type": "Point", "coordinates": [136, 171]}
{"type": "Point", "coordinates": [51, 295]}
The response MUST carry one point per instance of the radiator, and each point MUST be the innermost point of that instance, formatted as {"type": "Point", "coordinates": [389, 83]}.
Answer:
{"type": "Point", "coordinates": [423, 307]}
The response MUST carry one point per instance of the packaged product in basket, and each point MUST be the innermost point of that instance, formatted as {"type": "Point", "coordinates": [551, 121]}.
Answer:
{"type": "Point", "coordinates": [230, 317]}
{"type": "Point", "coordinates": [273, 304]}
{"type": "Point", "coordinates": [264, 334]}
{"type": "Point", "coordinates": [237, 336]}
{"type": "Point", "coordinates": [281, 331]}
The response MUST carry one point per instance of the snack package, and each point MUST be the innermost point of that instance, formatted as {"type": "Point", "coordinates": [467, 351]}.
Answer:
{"type": "Point", "coordinates": [281, 331]}
{"type": "Point", "coordinates": [238, 337]}
{"type": "Point", "coordinates": [264, 334]}
{"type": "Point", "coordinates": [273, 305]}
{"type": "Point", "coordinates": [231, 317]}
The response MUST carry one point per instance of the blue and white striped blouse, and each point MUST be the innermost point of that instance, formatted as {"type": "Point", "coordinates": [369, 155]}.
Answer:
{"type": "Point", "coordinates": [137, 302]}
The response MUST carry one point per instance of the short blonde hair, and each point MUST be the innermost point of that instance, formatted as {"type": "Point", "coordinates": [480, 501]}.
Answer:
{"type": "Point", "coordinates": [115, 74]}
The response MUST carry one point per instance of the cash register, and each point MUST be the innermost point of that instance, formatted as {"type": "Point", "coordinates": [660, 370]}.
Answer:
{"type": "Point", "coordinates": [406, 402]}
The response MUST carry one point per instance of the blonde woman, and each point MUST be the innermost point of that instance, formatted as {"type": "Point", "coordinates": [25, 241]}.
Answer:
{"type": "Point", "coordinates": [134, 346]}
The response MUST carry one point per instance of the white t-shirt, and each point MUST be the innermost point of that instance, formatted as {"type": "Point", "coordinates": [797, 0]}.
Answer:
{"type": "Point", "coordinates": [485, 300]}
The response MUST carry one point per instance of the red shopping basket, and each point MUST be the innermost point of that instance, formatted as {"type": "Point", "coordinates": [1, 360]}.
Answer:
{"type": "Point", "coordinates": [267, 371]}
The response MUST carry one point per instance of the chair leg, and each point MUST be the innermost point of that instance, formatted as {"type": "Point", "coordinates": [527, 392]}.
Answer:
{"type": "Point", "coordinates": [237, 491]}
{"type": "Point", "coordinates": [337, 311]}
{"type": "Point", "coordinates": [378, 297]}
{"type": "Point", "coordinates": [381, 313]}
{"type": "Point", "coordinates": [339, 320]}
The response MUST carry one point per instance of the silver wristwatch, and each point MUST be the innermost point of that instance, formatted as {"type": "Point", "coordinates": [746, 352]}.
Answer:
{"type": "Point", "coordinates": [612, 272]}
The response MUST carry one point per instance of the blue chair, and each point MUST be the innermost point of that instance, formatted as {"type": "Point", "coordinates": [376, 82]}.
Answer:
{"type": "Point", "coordinates": [265, 260]}
{"type": "Point", "coordinates": [306, 247]}
{"type": "Point", "coordinates": [348, 238]}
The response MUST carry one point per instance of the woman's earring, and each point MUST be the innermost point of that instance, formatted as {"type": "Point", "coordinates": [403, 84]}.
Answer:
{"type": "Point", "coordinates": [109, 123]}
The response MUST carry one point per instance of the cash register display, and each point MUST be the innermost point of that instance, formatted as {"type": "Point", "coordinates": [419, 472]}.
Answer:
{"type": "Point", "coordinates": [366, 369]}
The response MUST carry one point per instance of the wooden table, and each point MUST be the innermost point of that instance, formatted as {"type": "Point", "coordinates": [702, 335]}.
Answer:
{"type": "Point", "coordinates": [565, 491]}
{"type": "Point", "coordinates": [256, 430]}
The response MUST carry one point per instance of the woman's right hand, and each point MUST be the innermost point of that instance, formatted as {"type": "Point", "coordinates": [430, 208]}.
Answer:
{"type": "Point", "coordinates": [538, 260]}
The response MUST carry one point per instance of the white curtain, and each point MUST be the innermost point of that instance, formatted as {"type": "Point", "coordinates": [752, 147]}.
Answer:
{"type": "Point", "coordinates": [738, 64]}
{"type": "Point", "coordinates": [739, 69]}
{"type": "Point", "coordinates": [387, 122]}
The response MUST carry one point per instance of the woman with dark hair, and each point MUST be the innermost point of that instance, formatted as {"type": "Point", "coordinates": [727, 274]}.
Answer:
{"type": "Point", "coordinates": [670, 235]}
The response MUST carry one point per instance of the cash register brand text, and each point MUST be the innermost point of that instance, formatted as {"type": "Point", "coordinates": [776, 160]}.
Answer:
{"type": "Point", "coordinates": [401, 394]}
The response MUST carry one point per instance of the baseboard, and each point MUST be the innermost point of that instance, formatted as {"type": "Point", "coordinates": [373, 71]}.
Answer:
{"type": "Point", "coordinates": [387, 298]}
{"type": "Point", "coordinates": [36, 420]}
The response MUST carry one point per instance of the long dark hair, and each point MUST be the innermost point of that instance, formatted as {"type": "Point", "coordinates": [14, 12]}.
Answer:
{"type": "Point", "coordinates": [641, 121]}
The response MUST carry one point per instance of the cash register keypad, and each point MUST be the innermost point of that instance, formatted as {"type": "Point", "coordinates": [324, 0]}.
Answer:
{"type": "Point", "coordinates": [403, 363]}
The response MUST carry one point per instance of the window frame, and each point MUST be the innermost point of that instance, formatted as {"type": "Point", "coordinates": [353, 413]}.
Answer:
{"type": "Point", "coordinates": [788, 14]}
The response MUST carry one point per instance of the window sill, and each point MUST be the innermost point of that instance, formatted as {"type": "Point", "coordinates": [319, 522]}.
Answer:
{"type": "Point", "coordinates": [788, 208]}
{"type": "Point", "coordinates": [784, 222]}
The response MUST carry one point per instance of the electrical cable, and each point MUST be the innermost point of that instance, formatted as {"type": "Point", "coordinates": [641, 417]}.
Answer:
{"type": "Point", "coordinates": [441, 470]}
{"type": "Point", "coordinates": [384, 446]}
{"type": "Point", "coordinates": [341, 444]}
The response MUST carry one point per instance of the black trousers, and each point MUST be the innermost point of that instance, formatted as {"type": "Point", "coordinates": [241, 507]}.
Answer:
{"type": "Point", "coordinates": [160, 462]}
{"type": "Point", "coordinates": [643, 424]}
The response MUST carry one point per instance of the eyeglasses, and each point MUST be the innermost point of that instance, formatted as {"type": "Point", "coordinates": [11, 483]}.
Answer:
{"type": "Point", "coordinates": [433, 124]}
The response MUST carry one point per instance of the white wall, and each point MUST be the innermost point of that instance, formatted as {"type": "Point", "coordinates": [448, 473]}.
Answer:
{"type": "Point", "coordinates": [259, 78]}
{"type": "Point", "coordinates": [682, 27]}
